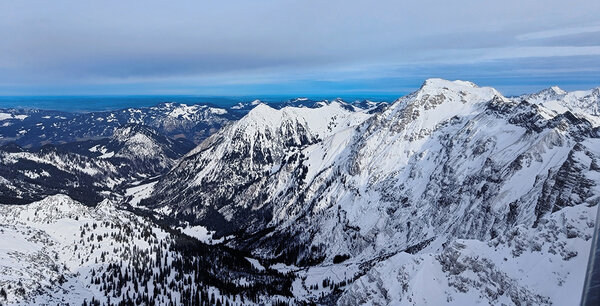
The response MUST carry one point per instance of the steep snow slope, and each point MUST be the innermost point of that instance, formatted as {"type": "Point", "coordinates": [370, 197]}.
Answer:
{"type": "Point", "coordinates": [36, 127]}
{"type": "Point", "coordinates": [545, 265]}
{"type": "Point", "coordinates": [449, 161]}
{"type": "Point", "coordinates": [224, 179]}
{"type": "Point", "coordinates": [50, 249]}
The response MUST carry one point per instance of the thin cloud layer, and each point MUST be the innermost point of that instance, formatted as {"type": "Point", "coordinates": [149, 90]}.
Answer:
{"type": "Point", "coordinates": [274, 47]}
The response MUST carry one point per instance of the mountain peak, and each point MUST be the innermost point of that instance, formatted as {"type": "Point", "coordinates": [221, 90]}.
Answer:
{"type": "Point", "coordinates": [438, 100]}
{"type": "Point", "coordinates": [441, 83]}
{"type": "Point", "coordinates": [50, 209]}
{"type": "Point", "coordinates": [129, 130]}
{"type": "Point", "coordinates": [444, 90]}
{"type": "Point", "coordinates": [465, 89]}
{"type": "Point", "coordinates": [261, 110]}
{"type": "Point", "coordinates": [270, 117]}
{"type": "Point", "coordinates": [263, 116]}
{"type": "Point", "coordinates": [558, 90]}
{"type": "Point", "coordinates": [551, 92]}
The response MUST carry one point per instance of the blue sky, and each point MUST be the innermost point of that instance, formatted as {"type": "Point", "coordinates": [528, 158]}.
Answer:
{"type": "Point", "coordinates": [245, 48]}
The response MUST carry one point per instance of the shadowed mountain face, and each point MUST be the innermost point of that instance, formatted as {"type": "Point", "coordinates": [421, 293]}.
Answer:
{"type": "Point", "coordinates": [140, 147]}
{"type": "Point", "coordinates": [90, 170]}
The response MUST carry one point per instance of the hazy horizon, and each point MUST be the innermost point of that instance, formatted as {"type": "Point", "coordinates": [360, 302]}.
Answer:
{"type": "Point", "coordinates": [100, 102]}
{"type": "Point", "coordinates": [88, 103]}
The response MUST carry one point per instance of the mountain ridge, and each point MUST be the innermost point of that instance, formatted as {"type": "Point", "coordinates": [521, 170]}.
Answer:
{"type": "Point", "coordinates": [450, 161]}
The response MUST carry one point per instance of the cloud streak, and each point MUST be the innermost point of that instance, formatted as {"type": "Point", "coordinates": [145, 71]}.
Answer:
{"type": "Point", "coordinates": [194, 46]}
{"type": "Point", "coordinates": [560, 32]}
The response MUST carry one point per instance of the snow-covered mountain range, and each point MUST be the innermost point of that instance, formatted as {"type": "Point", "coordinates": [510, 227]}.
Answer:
{"type": "Point", "coordinates": [88, 171]}
{"type": "Point", "coordinates": [450, 161]}
{"type": "Point", "coordinates": [34, 127]}
{"type": "Point", "coordinates": [453, 194]}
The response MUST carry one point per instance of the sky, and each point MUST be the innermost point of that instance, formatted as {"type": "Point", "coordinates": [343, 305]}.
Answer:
{"type": "Point", "coordinates": [294, 48]}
